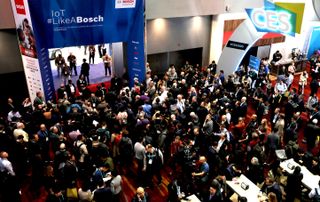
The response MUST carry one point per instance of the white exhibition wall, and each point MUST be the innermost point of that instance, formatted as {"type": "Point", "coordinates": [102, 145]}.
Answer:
{"type": "Point", "coordinates": [217, 31]}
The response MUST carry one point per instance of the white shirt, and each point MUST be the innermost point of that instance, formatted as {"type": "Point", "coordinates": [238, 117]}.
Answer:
{"type": "Point", "coordinates": [181, 105]}
{"type": "Point", "coordinates": [313, 192]}
{"type": "Point", "coordinates": [290, 79]}
{"type": "Point", "coordinates": [11, 114]}
{"type": "Point", "coordinates": [116, 185]}
{"type": "Point", "coordinates": [6, 166]}
{"type": "Point", "coordinates": [281, 88]}
{"type": "Point", "coordinates": [139, 151]}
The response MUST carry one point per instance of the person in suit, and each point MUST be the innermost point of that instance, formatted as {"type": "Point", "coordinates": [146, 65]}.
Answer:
{"type": "Point", "coordinates": [141, 196]}
{"type": "Point", "coordinates": [92, 52]}
{"type": "Point", "coordinates": [243, 107]}
{"type": "Point", "coordinates": [85, 69]}
{"type": "Point", "coordinates": [214, 194]}
{"type": "Point", "coordinates": [101, 193]}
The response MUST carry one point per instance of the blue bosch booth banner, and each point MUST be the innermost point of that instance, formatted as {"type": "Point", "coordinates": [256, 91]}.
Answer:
{"type": "Point", "coordinates": [63, 23]}
{"type": "Point", "coordinates": [314, 41]}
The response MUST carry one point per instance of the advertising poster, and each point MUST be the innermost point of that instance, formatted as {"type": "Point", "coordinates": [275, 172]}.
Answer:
{"type": "Point", "coordinates": [27, 46]}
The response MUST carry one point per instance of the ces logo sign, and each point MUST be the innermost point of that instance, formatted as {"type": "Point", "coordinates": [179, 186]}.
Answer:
{"type": "Point", "coordinates": [284, 18]}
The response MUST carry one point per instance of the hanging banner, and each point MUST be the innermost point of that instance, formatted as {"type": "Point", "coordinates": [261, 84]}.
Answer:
{"type": "Point", "coordinates": [64, 23]}
{"type": "Point", "coordinates": [28, 47]}
{"type": "Point", "coordinates": [314, 44]}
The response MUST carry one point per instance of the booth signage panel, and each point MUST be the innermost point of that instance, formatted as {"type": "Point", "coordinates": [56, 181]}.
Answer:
{"type": "Point", "coordinates": [237, 45]}
{"type": "Point", "coordinates": [63, 23]}
{"type": "Point", "coordinates": [254, 63]}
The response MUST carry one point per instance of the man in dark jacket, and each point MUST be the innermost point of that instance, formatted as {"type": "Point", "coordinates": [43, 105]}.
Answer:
{"type": "Point", "coordinates": [214, 194]}
{"type": "Point", "coordinates": [102, 193]}
{"type": "Point", "coordinates": [140, 196]}
{"type": "Point", "coordinates": [85, 69]}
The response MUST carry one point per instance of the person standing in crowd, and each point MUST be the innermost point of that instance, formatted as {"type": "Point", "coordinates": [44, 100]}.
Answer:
{"type": "Point", "coordinates": [202, 176]}
{"type": "Point", "coordinates": [8, 181]}
{"type": "Point", "coordinates": [92, 53]}
{"type": "Point", "coordinates": [72, 63]}
{"type": "Point", "coordinates": [293, 188]}
{"type": "Point", "coordinates": [276, 57]}
{"type": "Point", "coordinates": [303, 79]}
{"type": "Point", "coordinates": [102, 193]}
{"type": "Point", "coordinates": [292, 68]}
{"type": "Point", "coordinates": [71, 90]}
{"type": "Point", "coordinates": [141, 196]}
{"type": "Point", "coordinates": [107, 61]}
{"type": "Point", "coordinates": [152, 164]}
{"type": "Point", "coordinates": [214, 194]}
{"type": "Point", "coordinates": [85, 70]}
{"type": "Point", "coordinates": [66, 72]}
{"type": "Point", "coordinates": [39, 101]}
{"type": "Point", "coordinates": [140, 155]}
{"type": "Point", "coordinates": [81, 84]}
{"type": "Point", "coordinates": [116, 186]}
{"type": "Point", "coordinates": [59, 62]}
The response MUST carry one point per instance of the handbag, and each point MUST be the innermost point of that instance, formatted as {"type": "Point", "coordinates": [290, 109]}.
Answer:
{"type": "Point", "coordinates": [72, 193]}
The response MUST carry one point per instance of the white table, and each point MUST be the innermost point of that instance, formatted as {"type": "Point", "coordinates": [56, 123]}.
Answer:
{"type": "Point", "coordinates": [309, 180]}
{"type": "Point", "coordinates": [192, 198]}
{"type": "Point", "coordinates": [289, 165]}
{"type": "Point", "coordinates": [251, 193]}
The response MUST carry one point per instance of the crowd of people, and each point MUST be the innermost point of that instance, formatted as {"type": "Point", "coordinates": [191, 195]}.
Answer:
{"type": "Point", "coordinates": [203, 126]}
